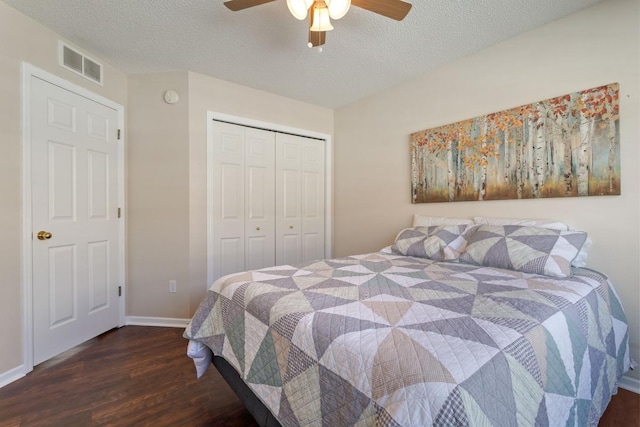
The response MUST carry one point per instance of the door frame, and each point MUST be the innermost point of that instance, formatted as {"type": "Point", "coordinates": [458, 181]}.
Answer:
{"type": "Point", "coordinates": [29, 71]}
{"type": "Point", "coordinates": [243, 121]}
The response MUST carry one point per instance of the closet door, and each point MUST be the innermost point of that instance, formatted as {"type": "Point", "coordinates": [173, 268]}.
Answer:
{"type": "Point", "coordinates": [299, 199]}
{"type": "Point", "coordinates": [243, 199]}
{"type": "Point", "coordinates": [288, 206]}
{"type": "Point", "coordinates": [312, 202]}
{"type": "Point", "coordinates": [259, 199]}
{"type": "Point", "coordinates": [228, 199]}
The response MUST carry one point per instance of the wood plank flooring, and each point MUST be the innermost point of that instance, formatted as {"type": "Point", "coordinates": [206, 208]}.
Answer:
{"type": "Point", "coordinates": [141, 376]}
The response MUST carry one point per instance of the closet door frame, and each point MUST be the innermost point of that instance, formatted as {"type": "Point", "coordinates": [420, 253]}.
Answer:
{"type": "Point", "coordinates": [242, 121]}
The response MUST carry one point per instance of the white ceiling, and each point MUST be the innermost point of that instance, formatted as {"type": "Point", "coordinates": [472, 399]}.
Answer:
{"type": "Point", "coordinates": [266, 48]}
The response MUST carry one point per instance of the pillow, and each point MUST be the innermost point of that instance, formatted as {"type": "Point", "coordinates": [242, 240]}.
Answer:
{"type": "Point", "coordinates": [428, 221]}
{"type": "Point", "coordinates": [523, 248]}
{"type": "Point", "coordinates": [544, 223]}
{"type": "Point", "coordinates": [439, 243]}
{"type": "Point", "coordinates": [581, 259]}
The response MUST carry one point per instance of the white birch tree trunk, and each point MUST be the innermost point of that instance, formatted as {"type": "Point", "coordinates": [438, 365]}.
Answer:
{"type": "Point", "coordinates": [507, 158]}
{"type": "Point", "coordinates": [531, 159]}
{"type": "Point", "coordinates": [483, 160]}
{"type": "Point", "coordinates": [613, 185]}
{"type": "Point", "coordinates": [540, 153]}
{"type": "Point", "coordinates": [459, 174]}
{"type": "Point", "coordinates": [414, 174]}
{"type": "Point", "coordinates": [568, 164]}
{"type": "Point", "coordinates": [519, 181]}
{"type": "Point", "coordinates": [584, 156]}
{"type": "Point", "coordinates": [451, 176]}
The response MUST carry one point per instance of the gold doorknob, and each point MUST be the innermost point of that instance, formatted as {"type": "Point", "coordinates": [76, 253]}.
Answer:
{"type": "Point", "coordinates": [258, 228]}
{"type": "Point", "coordinates": [291, 227]}
{"type": "Point", "coordinates": [44, 235]}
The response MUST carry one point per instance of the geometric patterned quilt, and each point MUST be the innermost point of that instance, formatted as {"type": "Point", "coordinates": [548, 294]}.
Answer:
{"type": "Point", "coordinates": [387, 340]}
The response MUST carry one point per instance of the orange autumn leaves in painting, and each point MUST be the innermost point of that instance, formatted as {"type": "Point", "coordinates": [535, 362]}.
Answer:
{"type": "Point", "coordinates": [564, 146]}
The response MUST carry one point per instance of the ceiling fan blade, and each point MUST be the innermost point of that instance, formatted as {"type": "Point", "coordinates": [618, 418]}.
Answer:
{"type": "Point", "coordinates": [236, 5]}
{"type": "Point", "coordinates": [394, 9]}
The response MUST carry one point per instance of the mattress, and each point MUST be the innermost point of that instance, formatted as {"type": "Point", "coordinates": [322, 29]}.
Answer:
{"type": "Point", "coordinates": [390, 340]}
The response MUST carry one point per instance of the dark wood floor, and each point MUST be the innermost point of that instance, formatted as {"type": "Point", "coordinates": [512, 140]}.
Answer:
{"type": "Point", "coordinates": [138, 376]}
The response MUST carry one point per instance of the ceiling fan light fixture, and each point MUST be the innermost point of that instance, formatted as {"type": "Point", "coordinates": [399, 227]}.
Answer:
{"type": "Point", "coordinates": [299, 8]}
{"type": "Point", "coordinates": [338, 8]}
{"type": "Point", "coordinates": [321, 20]}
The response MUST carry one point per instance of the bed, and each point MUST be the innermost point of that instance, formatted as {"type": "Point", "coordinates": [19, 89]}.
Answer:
{"type": "Point", "coordinates": [456, 325]}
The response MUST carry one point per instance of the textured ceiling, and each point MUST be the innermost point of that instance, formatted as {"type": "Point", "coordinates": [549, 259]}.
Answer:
{"type": "Point", "coordinates": [265, 47]}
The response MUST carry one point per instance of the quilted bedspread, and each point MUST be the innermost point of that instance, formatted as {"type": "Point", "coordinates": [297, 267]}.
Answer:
{"type": "Point", "coordinates": [388, 340]}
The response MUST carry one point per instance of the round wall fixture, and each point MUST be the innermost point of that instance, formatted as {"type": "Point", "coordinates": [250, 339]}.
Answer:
{"type": "Point", "coordinates": [171, 96]}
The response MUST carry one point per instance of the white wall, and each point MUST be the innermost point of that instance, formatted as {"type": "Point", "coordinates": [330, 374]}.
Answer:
{"type": "Point", "coordinates": [597, 46]}
{"type": "Point", "coordinates": [24, 40]}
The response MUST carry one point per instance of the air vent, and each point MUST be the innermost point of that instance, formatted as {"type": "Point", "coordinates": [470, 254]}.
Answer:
{"type": "Point", "coordinates": [79, 63]}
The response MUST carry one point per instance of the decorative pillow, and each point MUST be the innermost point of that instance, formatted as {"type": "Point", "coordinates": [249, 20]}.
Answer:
{"type": "Point", "coordinates": [428, 221]}
{"type": "Point", "coordinates": [523, 248]}
{"type": "Point", "coordinates": [579, 261]}
{"type": "Point", "coordinates": [440, 243]}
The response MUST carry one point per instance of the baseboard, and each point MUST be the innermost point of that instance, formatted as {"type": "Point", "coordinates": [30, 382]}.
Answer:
{"type": "Point", "coordinates": [629, 383]}
{"type": "Point", "coordinates": [12, 375]}
{"type": "Point", "coordinates": [167, 322]}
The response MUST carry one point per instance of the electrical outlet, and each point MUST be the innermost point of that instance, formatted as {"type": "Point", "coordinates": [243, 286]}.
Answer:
{"type": "Point", "coordinates": [172, 286]}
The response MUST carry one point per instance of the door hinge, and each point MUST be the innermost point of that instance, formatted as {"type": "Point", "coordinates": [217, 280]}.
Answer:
{"type": "Point", "coordinates": [119, 291]}
{"type": "Point", "coordinates": [118, 134]}
{"type": "Point", "coordinates": [119, 212]}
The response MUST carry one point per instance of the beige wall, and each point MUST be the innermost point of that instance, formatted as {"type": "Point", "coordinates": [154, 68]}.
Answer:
{"type": "Point", "coordinates": [157, 153]}
{"type": "Point", "coordinates": [597, 46]}
{"type": "Point", "coordinates": [167, 175]}
{"type": "Point", "coordinates": [23, 40]}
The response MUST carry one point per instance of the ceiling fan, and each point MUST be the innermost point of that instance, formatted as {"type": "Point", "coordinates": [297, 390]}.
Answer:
{"type": "Point", "coordinates": [321, 12]}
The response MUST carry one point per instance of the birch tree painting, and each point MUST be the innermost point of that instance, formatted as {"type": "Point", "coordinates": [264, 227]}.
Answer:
{"type": "Point", "coordinates": [561, 147]}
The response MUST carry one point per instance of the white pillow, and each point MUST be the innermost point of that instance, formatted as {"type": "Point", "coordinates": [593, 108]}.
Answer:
{"type": "Point", "coordinates": [543, 223]}
{"type": "Point", "coordinates": [429, 221]}
{"type": "Point", "coordinates": [201, 355]}
{"type": "Point", "coordinates": [581, 258]}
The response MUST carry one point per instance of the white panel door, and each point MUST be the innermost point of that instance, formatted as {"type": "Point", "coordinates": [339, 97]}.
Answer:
{"type": "Point", "coordinates": [259, 199]}
{"type": "Point", "coordinates": [288, 203]}
{"type": "Point", "coordinates": [228, 199]}
{"type": "Point", "coordinates": [312, 199]}
{"type": "Point", "coordinates": [74, 166]}
{"type": "Point", "coordinates": [243, 199]}
{"type": "Point", "coordinates": [299, 199]}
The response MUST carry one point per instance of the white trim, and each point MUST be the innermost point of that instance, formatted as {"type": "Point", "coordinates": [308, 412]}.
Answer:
{"type": "Point", "coordinates": [167, 322]}
{"type": "Point", "coordinates": [29, 71]}
{"type": "Point", "coordinates": [211, 116]}
{"type": "Point", "coordinates": [123, 218]}
{"type": "Point", "coordinates": [629, 383]}
{"type": "Point", "coordinates": [12, 375]}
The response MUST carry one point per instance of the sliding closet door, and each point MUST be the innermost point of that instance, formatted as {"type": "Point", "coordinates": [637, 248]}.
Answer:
{"type": "Point", "coordinates": [243, 199]}
{"type": "Point", "coordinates": [299, 199]}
